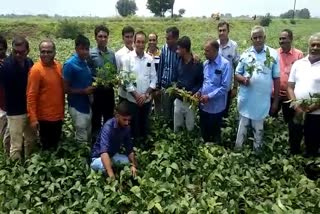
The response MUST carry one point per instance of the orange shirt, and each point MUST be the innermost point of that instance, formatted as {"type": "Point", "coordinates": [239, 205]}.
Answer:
{"type": "Point", "coordinates": [45, 93]}
{"type": "Point", "coordinates": [286, 60]}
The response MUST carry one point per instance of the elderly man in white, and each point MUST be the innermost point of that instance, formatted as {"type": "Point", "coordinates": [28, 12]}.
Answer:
{"type": "Point", "coordinates": [304, 80]}
{"type": "Point", "coordinates": [141, 65]}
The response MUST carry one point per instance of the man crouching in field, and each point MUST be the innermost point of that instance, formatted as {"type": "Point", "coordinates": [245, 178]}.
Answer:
{"type": "Point", "coordinates": [115, 132]}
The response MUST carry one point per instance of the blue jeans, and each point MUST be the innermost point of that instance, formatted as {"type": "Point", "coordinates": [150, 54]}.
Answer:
{"type": "Point", "coordinates": [97, 165]}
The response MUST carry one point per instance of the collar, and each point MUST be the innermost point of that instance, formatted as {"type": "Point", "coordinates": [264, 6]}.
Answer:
{"type": "Point", "coordinates": [76, 56]}
{"type": "Point", "coordinates": [157, 53]}
{"type": "Point", "coordinates": [252, 49]}
{"type": "Point", "coordinates": [134, 53]}
{"type": "Point", "coordinates": [100, 52]}
{"type": "Point", "coordinates": [52, 65]}
{"type": "Point", "coordinates": [290, 51]}
{"type": "Point", "coordinates": [227, 45]}
{"type": "Point", "coordinates": [216, 61]}
{"type": "Point", "coordinates": [115, 123]}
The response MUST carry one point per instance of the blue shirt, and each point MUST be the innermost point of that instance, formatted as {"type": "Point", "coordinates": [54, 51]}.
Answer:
{"type": "Point", "coordinates": [110, 139]}
{"type": "Point", "coordinates": [167, 67]}
{"type": "Point", "coordinates": [78, 74]}
{"type": "Point", "coordinates": [190, 75]}
{"type": "Point", "coordinates": [217, 78]}
{"type": "Point", "coordinates": [254, 99]}
{"type": "Point", "coordinates": [98, 58]}
{"type": "Point", "coordinates": [14, 80]}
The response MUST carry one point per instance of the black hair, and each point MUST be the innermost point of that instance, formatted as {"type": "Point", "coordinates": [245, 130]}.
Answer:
{"type": "Point", "coordinates": [184, 42]}
{"type": "Point", "coordinates": [19, 41]}
{"type": "Point", "coordinates": [139, 33]}
{"type": "Point", "coordinates": [49, 41]}
{"type": "Point", "coordinates": [289, 32]}
{"type": "Point", "coordinates": [123, 109]}
{"type": "Point", "coordinates": [101, 28]}
{"type": "Point", "coordinates": [82, 40]}
{"type": "Point", "coordinates": [223, 22]}
{"type": "Point", "coordinates": [127, 29]}
{"type": "Point", "coordinates": [214, 43]}
{"type": "Point", "coordinates": [174, 31]}
{"type": "Point", "coordinates": [3, 42]}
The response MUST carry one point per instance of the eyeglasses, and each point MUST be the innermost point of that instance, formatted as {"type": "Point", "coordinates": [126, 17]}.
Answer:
{"type": "Point", "coordinates": [46, 52]}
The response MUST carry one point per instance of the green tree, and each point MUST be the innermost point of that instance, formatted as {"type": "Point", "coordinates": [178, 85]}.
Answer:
{"type": "Point", "coordinates": [126, 7]}
{"type": "Point", "coordinates": [181, 12]}
{"type": "Point", "coordinates": [160, 7]}
{"type": "Point", "coordinates": [304, 14]}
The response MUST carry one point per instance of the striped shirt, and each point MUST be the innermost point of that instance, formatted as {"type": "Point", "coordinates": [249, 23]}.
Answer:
{"type": "Point", "coordinates": [167, 67]}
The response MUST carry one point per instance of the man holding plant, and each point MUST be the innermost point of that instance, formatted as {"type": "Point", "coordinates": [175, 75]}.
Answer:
{"type": "Point", "coordinates": [114, 134]}
{"type": "Point", "coordinates": [304, 80]}
{"type": "Point", "coordinates": [257, 70]}
{"type": "Point", "coordinates": [189, 78]}
{"type": "Point", "coordinates": [101, 57]}
{"type": "Point", "coordinates": [213, 93]}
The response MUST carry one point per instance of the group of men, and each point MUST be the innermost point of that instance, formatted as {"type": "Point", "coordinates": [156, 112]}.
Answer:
{"type": "Point", "coordinates": [34, 93]}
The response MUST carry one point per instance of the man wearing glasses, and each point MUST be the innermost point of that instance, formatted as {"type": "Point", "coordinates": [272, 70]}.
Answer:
{"type": "Point", "coordinates": [103, 96]}
{"type": "Point", "coordinates": [45, 96]}
{"type": "Point", "coordinates": [14, 77]}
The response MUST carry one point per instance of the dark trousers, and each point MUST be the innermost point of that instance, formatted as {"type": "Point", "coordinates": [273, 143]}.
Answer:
{"type": "Point", "coordinates": [139, 119]}
{"type": "Point", "coordinates": [102, 108]}
{"type": "Point", "coordinates": [295, 130]}
{"type": "Point", "coordinates": [311, 134]}
{"type": "Point", "coordinates": [229, 100]}
{"type": "Point", "coordinates": [50, 133]}
{"type": "Point", "coordinates": [210, 125]}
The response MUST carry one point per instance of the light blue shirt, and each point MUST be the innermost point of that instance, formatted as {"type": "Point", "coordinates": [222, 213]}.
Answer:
{"type": "Point", "coordinates": [254, 99]}
{"type": "Point", "coordinates": [217, 77]}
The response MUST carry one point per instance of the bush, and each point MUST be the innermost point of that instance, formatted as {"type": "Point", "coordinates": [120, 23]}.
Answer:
{"type": "Point", "coordinates": [265, 20]}
{"type": "Point", "coordinates": [292, 21]}
{"type": "Point", "coordinates": [67, 29]}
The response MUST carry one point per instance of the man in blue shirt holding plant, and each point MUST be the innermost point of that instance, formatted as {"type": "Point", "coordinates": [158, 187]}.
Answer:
{"type": "Point", "coordinates": [257, 71]}
{"type": "Point", "coordinates": [114, 133]}
{"type": "Point", "coordinates": [213, 94]}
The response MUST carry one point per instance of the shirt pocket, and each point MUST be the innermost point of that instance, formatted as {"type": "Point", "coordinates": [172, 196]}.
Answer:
{"type": "Point", "coordinates": [216, 79]}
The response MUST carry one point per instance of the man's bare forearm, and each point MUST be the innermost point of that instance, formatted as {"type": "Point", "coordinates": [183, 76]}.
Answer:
{"type": "Point", "coordinates": [107, 164]}
{"type": "Point", "coordinates": [132, 159]}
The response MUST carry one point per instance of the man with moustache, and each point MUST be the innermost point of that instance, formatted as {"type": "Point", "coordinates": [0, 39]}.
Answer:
{"type": "Point", "coordinates": [304, 80]}
{"type": "Point", "coordinates": [287, 56]}
{"type": "Point", "coordinates": [45, 96]}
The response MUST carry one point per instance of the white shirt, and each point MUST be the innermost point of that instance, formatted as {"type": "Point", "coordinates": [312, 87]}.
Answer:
{"type": "Point", "coordinates": [306, 77]}
{"type": "Point", "coordinates": [230, 52]}
{"type": "Point", "coordinates": [120, 54]}
{"type": "Point", "coordinates": [145, 72]}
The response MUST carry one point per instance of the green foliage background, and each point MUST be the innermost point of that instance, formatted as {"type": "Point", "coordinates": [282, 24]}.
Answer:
{"type": "Point", "coordinates": [177, 172]}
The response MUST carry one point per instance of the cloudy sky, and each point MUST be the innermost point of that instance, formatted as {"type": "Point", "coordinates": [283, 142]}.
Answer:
{"type": "Point", "coordinates": [106, 8]}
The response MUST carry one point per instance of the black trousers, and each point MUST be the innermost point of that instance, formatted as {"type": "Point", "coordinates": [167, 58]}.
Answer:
{"type": "Point", "coordinates": [311, 134]}
{"type": "Point", "coordinates": [102, 108]}
{"type": "Point", "coordinates": [50, 133]}
{"type": "Point", "coordinates": [139, 119]}
{"type": "Point", "coordinates": [210, 125]}
{"type": "Point", "coordinates": [229, 99]}
{"type": "Point", "coordinates": [295, 130]}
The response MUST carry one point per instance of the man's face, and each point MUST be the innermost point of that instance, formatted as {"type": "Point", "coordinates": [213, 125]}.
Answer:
{"type": "Point", "coordinates": [140, 43]}
{"type": "Point", "coordinates": [284, 40]}
{"type": "Point", "coordinates": [152, 41]}
{"type": "Point", "coordinates": [258, 38]}
{"type": "Point", "coordinates": [209, 51]}
{"type": "Point", "coordinates": [171, 40]}
{"type": "Point", "coordinates": [102, 39]}
{"type": "Point", "coordinates": [20, 53]}
{"type": "Point", "coordinates": [47, 52]}
{"type": "Point", "coordinates": [123, 121]}
{"type": "Point", "coordinates": [181, 51]}
{"type": "Point", "coordinates": [82, 51]}
{"type": "Point", "coordinates": [2, 51]}
{"type": "Point", "coordinates": [128, 39]}
{"type": "Point", "coordinates": [223, 32]}
{"type": "Point", "coordinates": [314, 47]}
